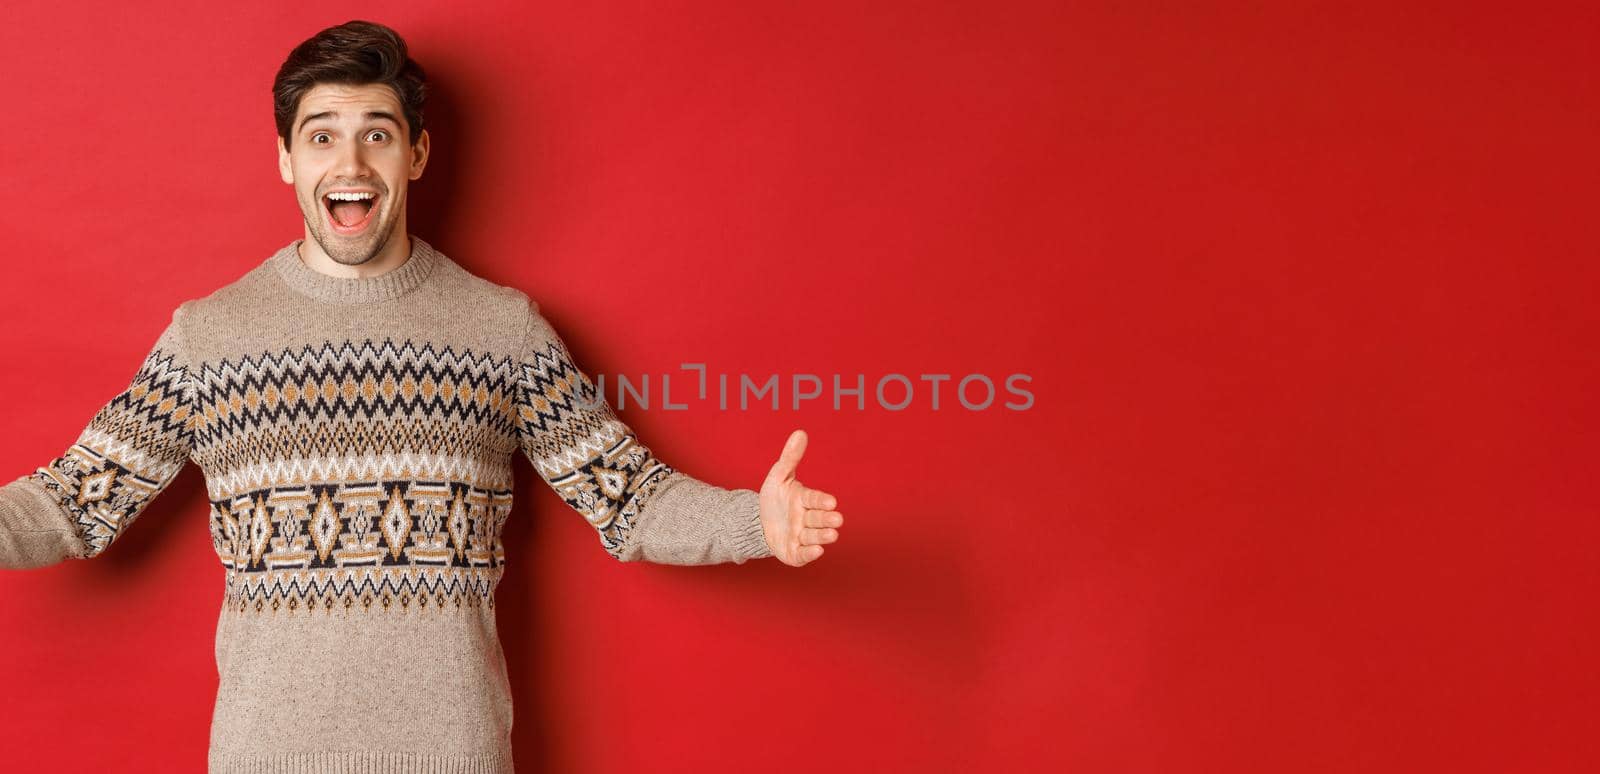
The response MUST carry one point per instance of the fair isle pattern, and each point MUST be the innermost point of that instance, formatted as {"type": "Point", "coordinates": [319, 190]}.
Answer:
{"type": "Point", "coordinates": [132, 448]}
{"type": "Point", "coordinates": [578, 445]}
{"type": "Point", "coordinates": [397, 546]}
{"type": "Point", "coordinates": [351, 411]}
{"type": "Point", "coordinates": [357, 475]}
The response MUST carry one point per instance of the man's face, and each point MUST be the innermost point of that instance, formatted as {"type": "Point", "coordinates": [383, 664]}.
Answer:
{"type": "Point", "coordinates": [351, 139]}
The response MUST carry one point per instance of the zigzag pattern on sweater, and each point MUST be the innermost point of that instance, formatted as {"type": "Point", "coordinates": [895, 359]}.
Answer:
{"type": "Point", "coordinates": [413, 588]}
{"type": "Point", "coordinates": [578, 445]}
{"type": "Point", "coordinates": [132, 448]}
{"type": "Point", "coordinates": [395, 458]}
{"type": "Point", "coordinates": [389, 457]}
{"type": "Point", "coordinates": [333, 401]}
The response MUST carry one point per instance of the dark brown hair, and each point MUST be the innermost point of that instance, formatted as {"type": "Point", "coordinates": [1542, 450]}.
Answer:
{"type": "Point", "coordinates": [355, 53]}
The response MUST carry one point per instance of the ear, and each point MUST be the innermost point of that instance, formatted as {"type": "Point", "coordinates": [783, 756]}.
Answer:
{"type": "Point", "coordinates": [419, 155]}
{"type": "Point", "coordinates": [285, 169]}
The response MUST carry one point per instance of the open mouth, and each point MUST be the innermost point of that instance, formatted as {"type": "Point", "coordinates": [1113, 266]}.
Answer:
{"type": "Point", "coordinates": [349, 212]}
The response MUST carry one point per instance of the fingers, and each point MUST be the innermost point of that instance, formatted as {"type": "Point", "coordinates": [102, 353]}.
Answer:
{"type": "Point", "coordinates": [789, 459]}
{"type": "Point", "coordinates": [818, 499]}
{"type": "Point", "coordinates": [803, 555]}
{"type": "Point", "coordinates": [814, 518]}
{"type": "Point", "coordinates": [817, 537]}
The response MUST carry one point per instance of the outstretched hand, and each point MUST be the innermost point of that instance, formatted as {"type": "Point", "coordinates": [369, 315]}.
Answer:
{"type": "Point", "coordinates": [797, 519]}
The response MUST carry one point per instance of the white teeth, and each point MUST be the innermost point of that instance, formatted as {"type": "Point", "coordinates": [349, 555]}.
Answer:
{"type": "Point", "coordinates": [351, 197]}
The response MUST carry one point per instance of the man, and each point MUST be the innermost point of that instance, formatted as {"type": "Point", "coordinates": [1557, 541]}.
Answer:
{"type": "Point", "coordinates": [355, 402]}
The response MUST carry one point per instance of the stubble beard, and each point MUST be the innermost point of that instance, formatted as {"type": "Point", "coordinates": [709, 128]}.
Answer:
{"type": "Point", "coordinates": [348, 251]}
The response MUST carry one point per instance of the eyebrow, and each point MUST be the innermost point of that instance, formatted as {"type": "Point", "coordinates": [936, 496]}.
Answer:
{"type": "Point", "coordinates": [371, 115]}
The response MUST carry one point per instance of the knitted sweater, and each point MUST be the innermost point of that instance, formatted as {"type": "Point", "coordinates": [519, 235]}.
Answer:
{"type": "Point", "coordinates": [357, 439]}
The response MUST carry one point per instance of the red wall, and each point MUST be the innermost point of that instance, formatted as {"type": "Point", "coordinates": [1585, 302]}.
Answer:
{"type": "Point", "coordinates": [1306, 296]}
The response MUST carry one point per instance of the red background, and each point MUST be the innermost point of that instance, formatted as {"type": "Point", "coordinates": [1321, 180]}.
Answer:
{"type": "Point", "coordinates": [1307, 296]}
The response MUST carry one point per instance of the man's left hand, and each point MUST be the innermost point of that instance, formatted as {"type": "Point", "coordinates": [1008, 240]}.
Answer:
{"type": "Point", "coordinates": [797, 519]}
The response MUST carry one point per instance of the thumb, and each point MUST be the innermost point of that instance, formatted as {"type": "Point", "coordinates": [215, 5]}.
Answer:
{"type": "Point", "coordinates": [789, 460]}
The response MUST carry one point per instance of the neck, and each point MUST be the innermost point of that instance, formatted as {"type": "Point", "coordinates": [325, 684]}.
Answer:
{"type": "Point", "coordinates": [395, 252]}
{"type": "Point", "coordinates": [370, 283]}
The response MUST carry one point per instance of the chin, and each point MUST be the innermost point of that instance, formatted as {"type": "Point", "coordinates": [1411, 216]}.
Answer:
{"type": "Point", "coordinates": [347, 251]}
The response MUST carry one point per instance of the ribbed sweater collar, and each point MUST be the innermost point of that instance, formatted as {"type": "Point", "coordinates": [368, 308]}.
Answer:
{"type": "Point", "coordinates": [356, 290]}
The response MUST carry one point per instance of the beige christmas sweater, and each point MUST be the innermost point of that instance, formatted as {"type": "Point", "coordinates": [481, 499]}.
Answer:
{"type": "Point", "coordinates": [357, 439]}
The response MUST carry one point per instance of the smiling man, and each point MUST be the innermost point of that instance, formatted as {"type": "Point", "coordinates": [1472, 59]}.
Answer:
{"type": "Point", "coordinates": [355, 402]}
{"type": "Point", "coordinates": [349, 152]}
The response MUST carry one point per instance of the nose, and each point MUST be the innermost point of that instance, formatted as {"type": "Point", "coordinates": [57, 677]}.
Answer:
{"type": "Point", "coordinates": [350, 162]}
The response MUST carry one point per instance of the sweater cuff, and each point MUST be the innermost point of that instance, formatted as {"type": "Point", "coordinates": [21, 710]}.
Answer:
{"type": "Point", "coordinates": [34, 529]}
{"type": "Point", "coordinates": [748, 540]}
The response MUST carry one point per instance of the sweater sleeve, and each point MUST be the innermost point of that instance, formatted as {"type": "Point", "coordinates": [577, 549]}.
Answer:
{"type": "Point", "coordinates": [642, 508]}
{"type": "Point", "coordinates": [79, 503]}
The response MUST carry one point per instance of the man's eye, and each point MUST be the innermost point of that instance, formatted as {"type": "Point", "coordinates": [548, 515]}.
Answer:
{"type": "Point", "coordinates": [380, 131]}
{"type": "Point", "coordinates": [318, 134]}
